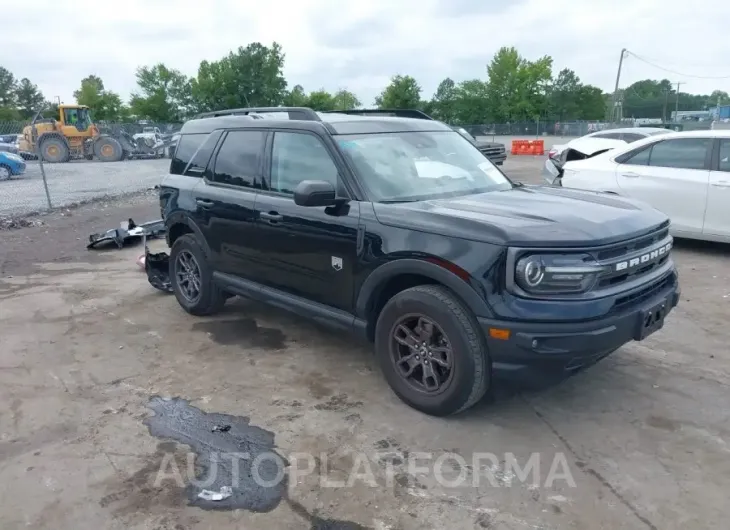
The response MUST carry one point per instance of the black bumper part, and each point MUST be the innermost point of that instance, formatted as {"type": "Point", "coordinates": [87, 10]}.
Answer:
{"type": "Point", "coordinates": [543, 352]}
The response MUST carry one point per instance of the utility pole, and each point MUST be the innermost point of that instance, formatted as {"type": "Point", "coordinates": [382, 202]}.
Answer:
{"type": "Point", "coordinates": [676, 103]}
{"type": "Point", "coordinates": [664, 110]}
{"type": "Point", "coordinates": [614, 99]}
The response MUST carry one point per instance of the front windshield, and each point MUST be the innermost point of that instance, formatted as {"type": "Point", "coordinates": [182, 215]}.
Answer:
{"type": "Point", "coordinates": [413, 166]}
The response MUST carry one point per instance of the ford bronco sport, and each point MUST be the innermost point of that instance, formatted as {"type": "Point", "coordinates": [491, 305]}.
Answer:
{"type": "Point", "coordinates": [401, 231]}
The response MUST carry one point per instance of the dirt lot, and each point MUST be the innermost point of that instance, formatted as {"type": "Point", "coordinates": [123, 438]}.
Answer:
{"type": "Point", "coordinates": [645, 434]}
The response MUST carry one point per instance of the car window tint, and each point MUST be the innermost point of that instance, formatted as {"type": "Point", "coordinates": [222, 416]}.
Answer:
{"type": "Point", "coordinates": [635, 158]}
{"type": "Point", "coordinates": [202, 155]}
{"type": "Point", "coordinates": [631, 137]}
{"type": "Point", "coordinates": [724, 155]}
{"type": "Point", "coordinates": [238, 162]}
{"type": "Point", "coordinates": [610, 136]}
{"type": "Point", "coordinates": [297, 157]}
{"type": "Point", "coordinates": [186, 148]}
{"type": "Point", "coordinates": [684, 153]}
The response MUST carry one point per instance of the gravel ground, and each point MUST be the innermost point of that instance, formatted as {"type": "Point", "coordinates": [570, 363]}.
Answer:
{"type": "Point", "coordinates": [77, 182]}
{"type": "Point", "coordinates": [87, 342]}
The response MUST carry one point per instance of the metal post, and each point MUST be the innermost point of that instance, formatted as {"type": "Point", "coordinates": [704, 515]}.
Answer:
{"type": "Point", "coordinates": [34, 133]}
{"type": "Point", "coordinates": [676, 103]}
{"type": "Point", "coordinates": [615, 90]}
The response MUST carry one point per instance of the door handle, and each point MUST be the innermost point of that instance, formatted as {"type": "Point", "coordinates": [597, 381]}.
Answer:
{"type": "Point", "coordinates": [630, 175]}
{"type": "Point", "coordinates": [271, 217]}
{"type": "Point", "coordinates": [721, 184]}
{"type": "Point", "coordinates": [204, 203]}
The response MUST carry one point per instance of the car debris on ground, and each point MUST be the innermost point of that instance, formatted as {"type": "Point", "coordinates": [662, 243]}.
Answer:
{"type": "Point", "coordinates": [224, 493]}
{"type": "Point", "coordinates": [127, 232]}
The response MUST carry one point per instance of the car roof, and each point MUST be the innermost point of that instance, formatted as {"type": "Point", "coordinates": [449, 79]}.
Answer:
{"type": "Point", "coordinates": [301, 118]}
{"type": "Point", "coordinates": [637, 130]}
{"type": "Point", "coordinates": [706, 133]}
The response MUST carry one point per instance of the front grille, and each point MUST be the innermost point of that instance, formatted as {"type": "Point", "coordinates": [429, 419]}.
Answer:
{"type": "Point", "coordinates": [637, 297]}
{"type": "Point", "coordinates": [631, 260]}
{"type": "Point", "coordinates": [493, 151]}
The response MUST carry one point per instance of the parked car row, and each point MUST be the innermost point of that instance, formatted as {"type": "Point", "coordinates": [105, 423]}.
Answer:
{"type": "Point", "coordinates": [686, 175]}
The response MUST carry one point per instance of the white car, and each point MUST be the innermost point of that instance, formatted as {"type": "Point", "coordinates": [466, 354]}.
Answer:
{"type": "Point", "coordinates": [625, 135]}
{"type": "Point", "coordinates": [685, 175]}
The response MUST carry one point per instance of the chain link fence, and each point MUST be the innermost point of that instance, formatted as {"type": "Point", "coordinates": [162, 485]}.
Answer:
{"type": "Point", "coordinates": [28, 184]}
{"type": "Point", "coordinates": [542, 127]}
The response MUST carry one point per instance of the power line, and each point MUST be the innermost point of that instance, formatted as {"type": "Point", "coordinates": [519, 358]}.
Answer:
{"type": "Point", "coordinates": [674, 71]}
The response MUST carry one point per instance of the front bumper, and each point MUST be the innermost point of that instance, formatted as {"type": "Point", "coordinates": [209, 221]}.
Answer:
{"type": "Point", "coordinates": [537, 353]}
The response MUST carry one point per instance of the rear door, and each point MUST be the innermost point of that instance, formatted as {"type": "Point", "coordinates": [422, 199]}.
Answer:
{"type": "Point", "coordinates": [309, 251]}
{"type": "Point", "coordinates": [671, 175]}
{"type": "Point", "coordinates": [226, 198]}
{"type": "Point", "coordinates": [717, 215]}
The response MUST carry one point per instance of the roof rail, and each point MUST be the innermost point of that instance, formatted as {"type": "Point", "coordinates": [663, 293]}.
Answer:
{"type": "Point", "coordinates": [295, 113]}
{"type": "Point", "coordinates": [397, 113]}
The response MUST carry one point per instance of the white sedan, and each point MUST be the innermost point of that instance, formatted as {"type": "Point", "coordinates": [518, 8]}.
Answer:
{"type": "Point", "coordinates": [686, 175]}
{"type": "Point", "coordinates": [625, 135]}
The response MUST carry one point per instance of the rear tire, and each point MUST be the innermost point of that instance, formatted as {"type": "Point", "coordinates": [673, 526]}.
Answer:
{"type": "Point", "coordinates": [188, 259]}
{"type": "Point", "coordinates": [54, 150]}
{"type": "Point", "coordinates": [470, 371]}
{"type": "Point", "coordinates": [5, 172]}
{"type": "Point", "coordinates": [108, 149]}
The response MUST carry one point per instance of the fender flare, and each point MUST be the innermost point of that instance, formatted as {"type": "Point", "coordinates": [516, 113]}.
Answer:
{"type": "Point", "coordinates": [177, 218]}
{"type": "Point", "coordinates": [379, 277]}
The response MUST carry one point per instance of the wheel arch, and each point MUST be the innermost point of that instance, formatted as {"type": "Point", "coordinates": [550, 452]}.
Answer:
{"type": "Point", "coordinates": [396, 276]}
{"type": "Point", "coordinates": [179, 224]}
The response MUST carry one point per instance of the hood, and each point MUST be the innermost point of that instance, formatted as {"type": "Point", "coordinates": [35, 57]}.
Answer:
{"type": "Point", "coordinates": [531, 216]}
{"type": "Point", "coordinates": [481, 143]}
{"type": "Point", "coordinates": [589, 146]}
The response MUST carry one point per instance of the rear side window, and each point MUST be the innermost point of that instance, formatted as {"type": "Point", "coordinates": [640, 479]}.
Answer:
{"type": "Point", "coordinates": [685, 153]}
{"type": "Point", "coordinates": [724, 155]}
{"type": "Point", "coordinates": [610, 136]}
{"type": "Point", "coordinates": [632, 137]}
{"type": "Point", "coordinates": [238, 162]}
{"type": "Point", "coordinates": [637, 157]}
{"type": "Point", "coordinates": [187, 146]}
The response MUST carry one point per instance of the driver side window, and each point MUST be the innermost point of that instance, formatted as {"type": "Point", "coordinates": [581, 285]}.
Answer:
{"type": "Point", "coordinates": [299, 156]}
{"type": "Point", "coordinates": [70, 116]}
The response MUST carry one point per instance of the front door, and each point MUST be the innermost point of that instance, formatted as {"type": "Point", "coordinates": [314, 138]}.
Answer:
{"type": "Point", "coordinates": [717, 215]}
{"type": "Point", "coordinates": [672, 176]}
{"type": "Point", "coordinates": [311, 251]}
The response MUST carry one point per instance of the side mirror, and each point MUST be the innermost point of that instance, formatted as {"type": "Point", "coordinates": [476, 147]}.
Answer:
{"type": "Point", "coordinates": [315, 193]}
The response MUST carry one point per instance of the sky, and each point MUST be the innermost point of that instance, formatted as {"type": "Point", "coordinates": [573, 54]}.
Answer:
{"type": "Point", "coordinates": [359, 45]}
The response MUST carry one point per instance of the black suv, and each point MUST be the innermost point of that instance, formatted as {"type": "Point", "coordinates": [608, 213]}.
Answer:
{"type": "Point", "coordinates": [401, 231]}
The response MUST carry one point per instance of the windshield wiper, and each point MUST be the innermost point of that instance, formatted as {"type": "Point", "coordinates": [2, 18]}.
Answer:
{"type": "Point", "coordinates": [396, 201]}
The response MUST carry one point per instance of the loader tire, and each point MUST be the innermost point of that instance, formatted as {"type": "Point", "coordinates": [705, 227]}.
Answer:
{"type": "Point", "coordinates": [108, 149]}
{"type": "Point", "coordinates": [54, 149]}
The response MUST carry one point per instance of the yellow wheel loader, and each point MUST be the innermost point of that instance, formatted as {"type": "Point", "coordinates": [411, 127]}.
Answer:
{"type": "Point", "coordinates": [73, 135]}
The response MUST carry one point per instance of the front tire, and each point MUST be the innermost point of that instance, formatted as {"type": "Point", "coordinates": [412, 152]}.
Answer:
{"type": "Point", "coordinates": [192, 278]}
{"type": "Point", "coordinates": [431, 351]}
{"type": "Point", "coordinates": [108, 149]}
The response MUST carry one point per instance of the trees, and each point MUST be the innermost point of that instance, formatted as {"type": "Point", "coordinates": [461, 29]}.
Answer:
{"type": "Point", "coordinates": [166, 94]}
{"type": "Point", "coordinates": [403, 92]}
{"type": "Point", "coordinates": [251, 77]}
{"type": "Point", "coordinates": [105, 104]}
{"type": "Point", "coordinates": [345, 100]}
{"type": "Point", "coordinates": [29, 98]}
{"type": "Point", "coordinates": [517, 88]}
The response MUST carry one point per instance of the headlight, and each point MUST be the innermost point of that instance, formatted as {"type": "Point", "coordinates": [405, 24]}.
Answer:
{"type": "Point", "coordinates": [556, 273]}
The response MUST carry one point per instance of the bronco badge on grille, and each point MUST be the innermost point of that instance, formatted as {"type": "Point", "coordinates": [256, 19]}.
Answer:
{"type": "Point", "coordinates": [643, 259]}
